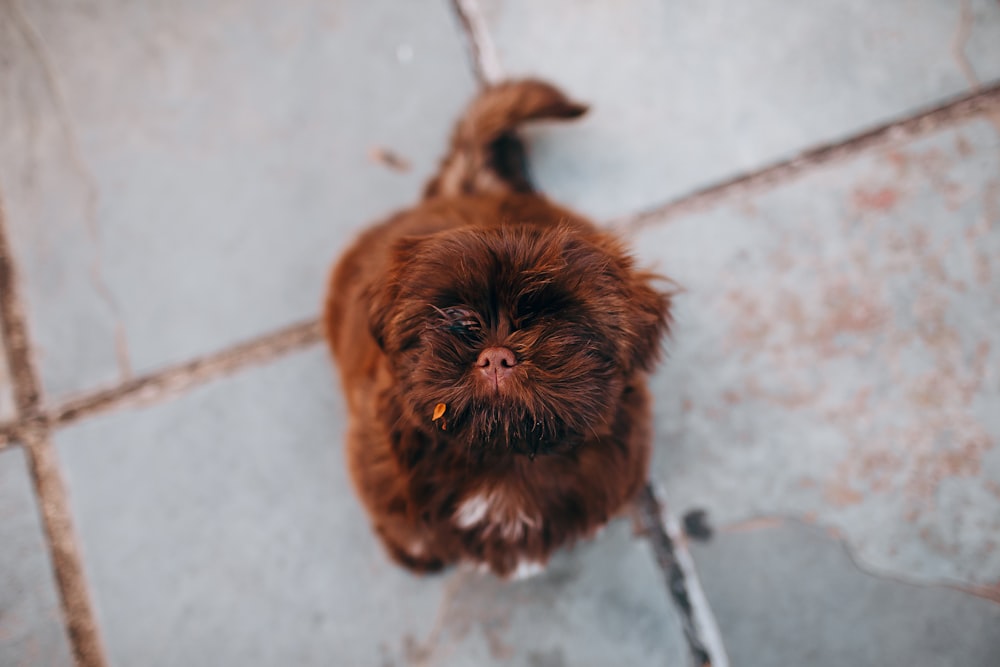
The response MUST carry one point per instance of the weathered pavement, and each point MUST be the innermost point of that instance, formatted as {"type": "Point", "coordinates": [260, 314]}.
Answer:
{"type": "Point", "coordinates": [822, 181]}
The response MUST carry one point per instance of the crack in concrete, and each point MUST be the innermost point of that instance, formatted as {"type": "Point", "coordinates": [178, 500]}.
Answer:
{"type": "Point", "coordinates": [482, 51]}
{"type": "Point", "coordinates": [991, 593]}
{"type": "Point", "coordinates": [122, 352]}
{"type": "Point", "coordinates": [36, 44]}
{"type": "Point", "coordinates": [958, 43]}
{"type": "Point", "coordinates": [984, 102]}
{"type": "Point", "coordinates": [764, 522]}
{"type": "Point", "coordinates": [50, 491]}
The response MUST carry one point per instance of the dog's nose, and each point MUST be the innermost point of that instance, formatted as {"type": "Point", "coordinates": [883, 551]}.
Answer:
{"type": "Point", "coordinates": [496, 363]}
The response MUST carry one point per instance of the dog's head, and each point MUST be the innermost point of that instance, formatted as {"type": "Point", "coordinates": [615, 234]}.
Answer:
{"type": "Point", "coordinates": [526, 335]}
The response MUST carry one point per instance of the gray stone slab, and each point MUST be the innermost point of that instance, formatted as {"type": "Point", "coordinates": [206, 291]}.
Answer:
{"type": "Point", "coordinates": [221, 529]}
{"type": "Point", "coordinates": [31, 627]}
{"type": "Point", "coordinates": [7, 409]}
{"type": "Point", "coordinates": [789, 594]}
{"type": "Point", "coordinates": [179, 177]}
{"type": "Point", "coordinates": [979, 42]}
{"type": "Point", "coordinates": [837, 356]}
{"type": "Point", "coordinates": [690, 93]}
{"type": "Point", "coordinates": [601, 604]}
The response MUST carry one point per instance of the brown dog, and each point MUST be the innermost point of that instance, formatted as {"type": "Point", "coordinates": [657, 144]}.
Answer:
{"type": "Point", "coordinates": [493, 348]}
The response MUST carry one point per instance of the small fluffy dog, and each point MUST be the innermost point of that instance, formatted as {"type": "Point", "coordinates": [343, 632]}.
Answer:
{"type": "Point", "coordinates": [493, 348]}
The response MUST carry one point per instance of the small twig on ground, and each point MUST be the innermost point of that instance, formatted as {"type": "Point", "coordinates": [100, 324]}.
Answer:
{"type": "Point", "coordinates": [388, 158]}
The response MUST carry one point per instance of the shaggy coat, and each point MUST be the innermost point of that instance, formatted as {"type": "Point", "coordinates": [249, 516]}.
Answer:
{"type": "Point", "coordinates": [493, 348]}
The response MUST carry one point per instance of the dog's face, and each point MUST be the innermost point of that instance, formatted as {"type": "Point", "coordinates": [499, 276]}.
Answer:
{"type": "Point", "coordinates": [526, 335]}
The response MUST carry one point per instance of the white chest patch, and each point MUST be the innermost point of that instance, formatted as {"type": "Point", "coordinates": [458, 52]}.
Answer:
{"type": "Point", "coordinates": [526, 569]}
{"type": "Point", "coordinates": [494, 514]}
{"type": "Point", "coordinates": [472, 511]}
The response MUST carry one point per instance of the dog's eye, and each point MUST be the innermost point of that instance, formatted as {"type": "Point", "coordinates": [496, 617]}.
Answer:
{"type": "Point", "coordinates": [462, 321]}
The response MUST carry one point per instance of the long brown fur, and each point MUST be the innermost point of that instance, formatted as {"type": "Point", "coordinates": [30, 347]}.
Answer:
{"type": "Point", "coordinates": [502, 478]}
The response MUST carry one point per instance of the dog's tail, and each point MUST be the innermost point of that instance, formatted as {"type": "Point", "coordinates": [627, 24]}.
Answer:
{"type": "Point", "coordinates": [486, 155]}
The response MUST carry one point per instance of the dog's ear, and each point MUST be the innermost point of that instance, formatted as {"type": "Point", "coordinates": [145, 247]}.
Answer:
{"type": "Point", "coordinates": [646, 300]}
{"type": "Point", "coordinates": [650, 317]}
{"type": "Point", "coordinates": [382, 294]}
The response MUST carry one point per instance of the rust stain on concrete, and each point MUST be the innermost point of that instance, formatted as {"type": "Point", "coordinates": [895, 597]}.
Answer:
{"type": "Point", "coordinates": [757, 523]}
{"type": "Point", "coordinates": [837, 492]}
{"type": "Point", "coordinates": [881, 330]}
{"type": "Point", "coordinates": [881, 199]}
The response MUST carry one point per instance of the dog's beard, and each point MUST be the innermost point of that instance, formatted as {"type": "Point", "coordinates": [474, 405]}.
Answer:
{"type": "Point", "coordinates": [536, 413]}
{"type": "Point", "coordinates": [496, 426]}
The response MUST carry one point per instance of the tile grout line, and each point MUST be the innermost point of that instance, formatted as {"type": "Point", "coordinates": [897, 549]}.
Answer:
{"type": "Point", "coordinates": [700, 629]}
{"type": "Point", "coordinates": [703, 616]}
{"type": "Point", "coordinates": [171, 381]}
{"type": "Point", "coordinates": [982, 101]}
{"type": "Point", "coordinates": [43, 463]}
{"type": "Point", "coordinates": [482, 51]}
{"type": "Point", "coordinates": [156, 386]}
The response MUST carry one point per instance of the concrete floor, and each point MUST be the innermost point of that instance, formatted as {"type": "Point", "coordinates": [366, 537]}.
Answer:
{"type": "Point", "coordinates": [175, 181]}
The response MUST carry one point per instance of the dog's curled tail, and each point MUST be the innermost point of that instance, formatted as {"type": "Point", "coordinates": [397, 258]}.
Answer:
{"type": "Point", "coordinates": [486, 155]}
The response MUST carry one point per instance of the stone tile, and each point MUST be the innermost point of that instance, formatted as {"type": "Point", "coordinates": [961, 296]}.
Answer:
{"type": "Point", "coordinates": [7, 409]}
{"type": "Point", "coordinates": [837, 356]}
{"type": "Point", "coordinates": [196, 170]}
{"type": "Point", "coordinates": [685, 94]}
{"type": "Point", "coordinates": [221, 529]}
{"type": "Point", "coordinates": [982, 46]}
{"type": "Point", "coordinates": [788, 594]}
{"type": "Point", "coordinates": [31, 628]}
{"type": "Point", "coordinates": [601, 604]}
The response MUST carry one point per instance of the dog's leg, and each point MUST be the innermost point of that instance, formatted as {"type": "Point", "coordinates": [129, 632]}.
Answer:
{"type": "Point", "coordinates": [411, 551]}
